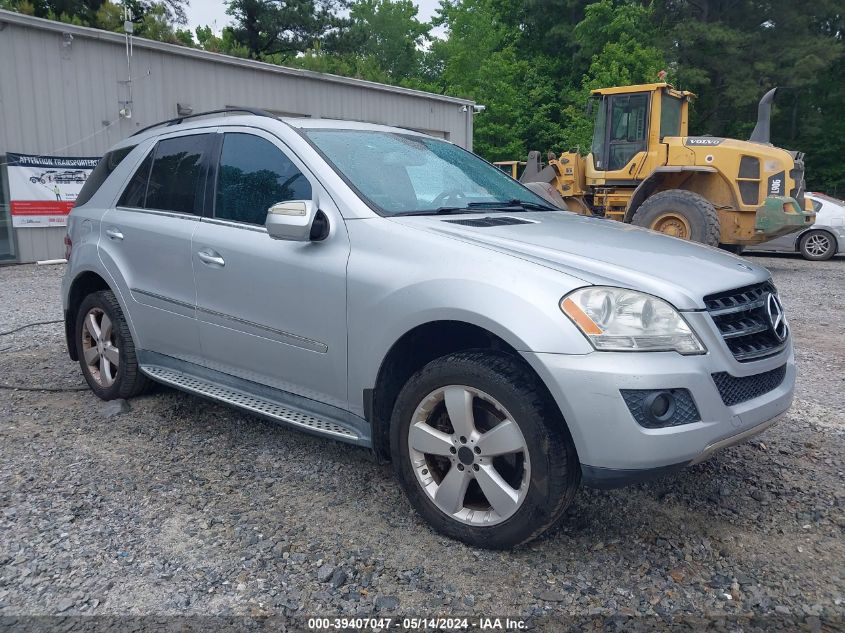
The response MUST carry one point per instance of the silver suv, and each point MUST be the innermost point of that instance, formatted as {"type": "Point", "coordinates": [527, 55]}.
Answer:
{"type": "Point", "coordinates": [388, 289]}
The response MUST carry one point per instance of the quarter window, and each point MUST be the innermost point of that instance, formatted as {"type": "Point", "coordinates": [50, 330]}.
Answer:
{"type": "Point", "coordinates": [670, 115]}
{"type": "Point", "coordinates": [254, 175]}
{"type": "Point", "coordinates": [177, 177]}
{"type": "Point", "coordinates": [102, 171]}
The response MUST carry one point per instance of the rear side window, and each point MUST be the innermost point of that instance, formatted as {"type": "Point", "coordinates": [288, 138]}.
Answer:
{"type": "Point", "coordinates": [254, 175]}
{"type": "Point", "coordinates": [133, 195]}
{"type": "Point", "coordinates": [177, 176]}
{"type": "Point", "coordinates": [102, 171]}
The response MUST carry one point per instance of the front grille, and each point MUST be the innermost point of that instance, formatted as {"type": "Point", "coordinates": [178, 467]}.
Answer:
{"type": "Point", "coordinates": [743, 321]}
{"type": "Point", "coordinates": [735, 390]}
{"type": "Point", "coordinates": [488, 221]}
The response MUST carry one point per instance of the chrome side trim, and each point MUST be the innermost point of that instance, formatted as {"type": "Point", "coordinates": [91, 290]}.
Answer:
{"type": "Point", "coordinates": [167, 214]}
{"type": "Point", "coordinates": [285, 337]}
{"type": "Point", "coordinates": [236, 225]}
{"type": "Point", "coordinates": [153, 295]}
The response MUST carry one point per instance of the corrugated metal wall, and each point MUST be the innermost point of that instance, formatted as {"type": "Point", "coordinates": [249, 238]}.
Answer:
{"type": "Point", "coordinates": [60, 94]}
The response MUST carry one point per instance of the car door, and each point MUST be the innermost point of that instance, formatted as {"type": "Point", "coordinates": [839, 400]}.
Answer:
{"type": "Point", "coordinates": [270, 311]}
{"type": "Point", "coordinates": [146, 242]}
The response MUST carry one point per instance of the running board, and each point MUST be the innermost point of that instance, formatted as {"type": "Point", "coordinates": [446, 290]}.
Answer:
{"type": "Point", "coordinates": [250, 402]}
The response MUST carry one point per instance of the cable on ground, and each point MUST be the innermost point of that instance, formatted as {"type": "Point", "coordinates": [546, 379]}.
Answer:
{"type": "Point", "coordinates": [36, 388]}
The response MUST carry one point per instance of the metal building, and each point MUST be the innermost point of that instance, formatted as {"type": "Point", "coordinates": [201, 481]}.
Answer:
{"type": "Point", "coordinates": [62, 89]}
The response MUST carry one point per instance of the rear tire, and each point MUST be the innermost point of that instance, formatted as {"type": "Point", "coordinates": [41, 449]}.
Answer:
{"type": "Point", "coordinates": [817, 246]}
{"type": "Point", "coordinates": [105, 349]}
{"type": "Point", "coordinates": [682, 214]}
{"type": "Point", "coordinates": [499, 395]}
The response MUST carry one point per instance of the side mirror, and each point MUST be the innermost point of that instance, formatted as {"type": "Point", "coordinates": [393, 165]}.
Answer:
{"type": "Point", "coordinates": [293, 220]}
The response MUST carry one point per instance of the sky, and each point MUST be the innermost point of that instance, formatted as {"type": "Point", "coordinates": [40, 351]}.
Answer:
{"type": "Point", "coordinates": [213, 12]}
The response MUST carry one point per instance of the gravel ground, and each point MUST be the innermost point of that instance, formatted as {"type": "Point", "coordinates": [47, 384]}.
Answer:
{"type": "Point", "coordinates": [181, 506]}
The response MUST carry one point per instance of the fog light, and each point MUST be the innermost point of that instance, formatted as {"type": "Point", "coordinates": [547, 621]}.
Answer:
{"type": "Point", "coordinates": [658, 408]}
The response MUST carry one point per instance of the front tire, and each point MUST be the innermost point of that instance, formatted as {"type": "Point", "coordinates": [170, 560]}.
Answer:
{"type": "Point", "coordinates": [682, 214]}
{"type": "Point", "coordinates": [817, 246]}
{"type": "Point", "coordinates": [105, 348]}
{"type": "Point", "coordinates": [481, 450]}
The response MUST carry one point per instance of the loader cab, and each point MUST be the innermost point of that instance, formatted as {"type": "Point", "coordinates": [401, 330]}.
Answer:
{"type": "Point", "coordinates": [630, 123]}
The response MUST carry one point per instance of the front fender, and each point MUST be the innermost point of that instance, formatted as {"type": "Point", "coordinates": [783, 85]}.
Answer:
{"type": "Point", "coordinates": [528, 321]}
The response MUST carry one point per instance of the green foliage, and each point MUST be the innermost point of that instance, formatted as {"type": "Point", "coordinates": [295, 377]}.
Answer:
{"type": "Point", "coordinates": [534, 62]}
{"type": "Point", "coordinates": [281, 29]}
{"type": "Point", "coordinates": [390, 33]}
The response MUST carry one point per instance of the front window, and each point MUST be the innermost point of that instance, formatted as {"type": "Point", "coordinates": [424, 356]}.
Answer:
{"type": "Point", "coordinates": [628, 118]}
{"type": "Point", "coordinates": [405, 173]}
{"type": "Point", "coordinates": [599, 135]}
{"type": "Point", "coordinates": [620, 130]}
{"type": "Point", "coordinates": [254, 175]}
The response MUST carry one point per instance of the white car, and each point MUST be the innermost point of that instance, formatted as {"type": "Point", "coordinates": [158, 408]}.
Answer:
{"type": "Point", "coordinates": [824, 239]}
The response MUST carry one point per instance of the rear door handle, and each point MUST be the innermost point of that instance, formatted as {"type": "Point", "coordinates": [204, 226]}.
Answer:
{"type": "Point", "coordinates": [211, 257]}
{"type": "Point", "coordinates": [114, 234]}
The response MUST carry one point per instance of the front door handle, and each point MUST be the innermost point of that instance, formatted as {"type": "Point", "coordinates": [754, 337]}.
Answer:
{"type": "Point", "coordinates": [114, 234]}
{"type": "Point", "coordinates": [211, 257]}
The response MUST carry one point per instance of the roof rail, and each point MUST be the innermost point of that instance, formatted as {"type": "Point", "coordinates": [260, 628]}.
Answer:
{"type": "Point", "coordinates": [178, 120]}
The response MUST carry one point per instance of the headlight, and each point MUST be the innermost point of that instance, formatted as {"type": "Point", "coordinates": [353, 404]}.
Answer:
{"type": "Point", "coordinates": [619, 320]}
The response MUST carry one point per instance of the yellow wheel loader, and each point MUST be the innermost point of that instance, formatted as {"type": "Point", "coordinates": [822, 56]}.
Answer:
{"type": "Point", "coordinates": [644, 169]}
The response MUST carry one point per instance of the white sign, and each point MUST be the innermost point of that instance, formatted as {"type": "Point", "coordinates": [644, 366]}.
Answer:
{"type": "Point", "coordinates": [43, 189]}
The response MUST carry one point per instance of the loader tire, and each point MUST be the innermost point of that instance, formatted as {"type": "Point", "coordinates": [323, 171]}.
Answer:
{"type": "Point", "coordinates": [682, 214]}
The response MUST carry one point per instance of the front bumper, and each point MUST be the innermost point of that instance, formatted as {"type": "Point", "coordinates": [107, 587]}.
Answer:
{"type": "Point", "coordinates": [772, 220]}
{"type": "Point", "coordinates": [614, 449]}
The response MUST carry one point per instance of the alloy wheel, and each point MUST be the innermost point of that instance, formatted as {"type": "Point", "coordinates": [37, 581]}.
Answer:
{"type": "Point", "coordinates": [817, 244]}
{"type": "Point", "coordinates": [99, 347]}
{"type": "Point", "coordinates": [469, 455]}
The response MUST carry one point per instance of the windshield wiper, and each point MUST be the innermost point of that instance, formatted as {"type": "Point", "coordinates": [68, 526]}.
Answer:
{"type": "Point", "coordinates": [504, 206]}
{"type": "Point", "coordinates": [438, 211]}
{"type": "Point", "coordinates": [511, 205]}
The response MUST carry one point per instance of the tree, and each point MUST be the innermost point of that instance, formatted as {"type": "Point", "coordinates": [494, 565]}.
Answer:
{"type": "Point", "coordinates": [389, 32]}
{"type": "Point", "coordinates": [731, 53]}
{"type": "Point", "coordinates": [283, 27]}
{"type": "Point", "coordinates": [479, 59]}
{"type": "Point", "coordinates": [154, 19]}
{"type": "Point", "coordinates": [382, 41]}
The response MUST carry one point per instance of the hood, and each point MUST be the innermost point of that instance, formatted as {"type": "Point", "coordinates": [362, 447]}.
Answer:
{"type": "Point", "coordinates": [602, 252]}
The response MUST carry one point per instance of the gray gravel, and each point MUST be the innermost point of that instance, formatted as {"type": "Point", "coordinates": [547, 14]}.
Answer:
{"type": "Point", "coordinates": [182, 506]}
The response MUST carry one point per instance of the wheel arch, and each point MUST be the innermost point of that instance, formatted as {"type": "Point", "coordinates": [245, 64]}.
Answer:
{"type": "Point", "coordinates": [411, 352]}
{"type": "Point", "coordinates": [84, 284]}
{"type": "Point", "coordinates": [672, 177]}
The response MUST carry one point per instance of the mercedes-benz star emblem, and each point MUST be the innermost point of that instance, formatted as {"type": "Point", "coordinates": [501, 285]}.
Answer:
{"type": "Point", "coordinates": [777, 320]}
